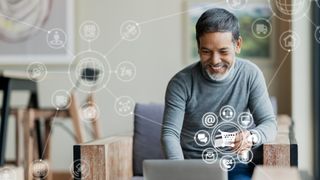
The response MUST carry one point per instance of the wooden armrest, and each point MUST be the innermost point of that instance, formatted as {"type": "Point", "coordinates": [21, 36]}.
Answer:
{"type": "Point", "coordinates": [108, 159]}
{"type": "Point", "coordinates": [275, 173]}
{"type": "Point", "coordinates": [283, 151]}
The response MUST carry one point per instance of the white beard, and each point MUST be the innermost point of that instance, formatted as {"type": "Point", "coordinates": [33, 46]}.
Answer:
{"type": "Point", "coordinates": [221, 77]}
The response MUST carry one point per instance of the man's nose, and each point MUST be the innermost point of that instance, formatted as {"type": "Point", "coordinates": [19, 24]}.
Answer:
{"type": "Point", "coordinates": [215, 59]}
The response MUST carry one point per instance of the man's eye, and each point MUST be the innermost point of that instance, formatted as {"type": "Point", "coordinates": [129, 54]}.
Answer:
{"type": "Point", "coordinates": [205, 52]}
{"type": "Point", "coordinates": [224, 52]}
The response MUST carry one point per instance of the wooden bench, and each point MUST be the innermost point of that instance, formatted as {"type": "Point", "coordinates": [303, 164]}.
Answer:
{"type": "Point", "coordinates": [111, 158]}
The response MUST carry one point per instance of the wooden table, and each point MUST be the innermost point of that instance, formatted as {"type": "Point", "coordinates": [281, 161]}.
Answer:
{"type": "Point", "coordinates": [10, 81]}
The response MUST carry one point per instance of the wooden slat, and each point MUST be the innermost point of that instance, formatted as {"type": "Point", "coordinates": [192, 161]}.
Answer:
{"type": "Point", "coordinates": [109, 159]}
{"type": "Point", "coordinates": [278, 152]}
{"type": "Point", "coordinates": [275, 173]}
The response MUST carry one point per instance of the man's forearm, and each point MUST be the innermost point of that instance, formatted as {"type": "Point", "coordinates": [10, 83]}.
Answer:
{"type": "Point", "coordinates": [171, 146]}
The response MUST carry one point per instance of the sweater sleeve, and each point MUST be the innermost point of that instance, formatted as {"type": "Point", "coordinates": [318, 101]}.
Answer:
{"type": "Point", "coordinates": [175, 103]}
{"type": "Point", "coordinates": [261, 108]}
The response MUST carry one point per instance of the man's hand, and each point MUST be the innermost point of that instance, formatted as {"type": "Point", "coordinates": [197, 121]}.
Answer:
{"type": "Point", "coordinates": [242, 142]}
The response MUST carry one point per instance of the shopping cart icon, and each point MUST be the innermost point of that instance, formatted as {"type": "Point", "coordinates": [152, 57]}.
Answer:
{"type": "Point", "coordinates": [227, 138]}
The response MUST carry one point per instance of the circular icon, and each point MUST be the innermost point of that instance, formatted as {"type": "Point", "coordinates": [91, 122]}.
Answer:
{"type": "Point", "coordinates": [56, 38]}
{"type": "Point", "coordinates": [80, 169]}
{"type": "Point", "coordinates": [227, 113]}
{"type": "Point", "coordinates": [245, 156]}
{"type": "Point", "coordinates": [39, 169]}
{"type": "Point", "coordinates": [89, 71]}
{"type": "Point", "coordinates": [202, 138]}
{"type": "Point", "coordinates": [254, 137]}
{"type": "Point", "coordinates": [61, 99]}
{"type": "Point", "coordinates": [89, 31]}
{"type": "Point", "coordinates": [124, 105]}
{"type": "Point", "coordinates": [130, 30]}
{"type": "Point", "coordinates": [245, 120]}
{"type": "Point", "coordinates": [7, 173]}
{"type": "Point", "coordinates": [37, 71]}
{"type": "Point", "coordinates": [227, 163]}
{"type": "Point", "coordinates": [237, 4]}
{"type": "Point", "coordinates": [285, 9]}
{"type": "Point", "coordinates": [289, 41]}
{"type": "Point", "coordinates": [317, 34]}
{"type": "Point", "coordinates": [126, 71]}
{"type": "Point", "coordinates": [223, 137]}
{"type": "Point", "coordinates": [209, 156]}
{"type": "Point", "coordinates": [261, 28]}
{"type": "Point", "coordinates": [90, 112]}
{"type": "Point", "coordinates": [209, 119]}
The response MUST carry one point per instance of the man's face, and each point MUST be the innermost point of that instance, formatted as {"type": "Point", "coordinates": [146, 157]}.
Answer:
{"type": "Point", "coordinates": [217, 52]}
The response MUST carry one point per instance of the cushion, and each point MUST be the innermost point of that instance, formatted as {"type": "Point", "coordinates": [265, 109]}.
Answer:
{"type": "Point", "coordinates": [147, 133]}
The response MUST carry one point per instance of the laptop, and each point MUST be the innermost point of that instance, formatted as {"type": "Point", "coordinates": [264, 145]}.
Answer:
{"type": "Point", "coordinates": [182, 170]}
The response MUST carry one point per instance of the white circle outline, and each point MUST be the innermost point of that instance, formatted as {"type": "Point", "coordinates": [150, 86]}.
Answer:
{"type": "Point", "coordinates": [216, 130]}
{"type": "Point", "coordinates": [243, 5]}
{"type": "Point", "coordinates": [205, 116]}
{"type": "Point", "coordinates": [293, 34]}
{"type": "Point", "coordinates": [116, 102]}
{"type": "Point", "coordinates": [104, 61]}
{"type": "Point", "coordinates": [258, 135]}
{"type": "Point", "coordinates": [66, 93]}
{"type": "Point", "coordinates": [81, 162]}
{"type": "Point", "coordinates": [202, 131]}
{"type": "Point", "coordinates": [122, 34]}
{"type": "Point", "coordinates": [251, 119]}
{"type": "Point", "coordinates": [45, 71]}
{"type": "Point", "coordinates": [132, 65]}
{"type": "Point", "coordinates": [254, 33]}
{"type": "Point", "coordinates": [88, 104]}
{"type": "Point", "coordinates": [227, 106]}
{"type": "Point", "coordinates": [209, 162]}
{"type": "Point", "coordinates": [307, 7]}
{"type": "Point", "coordinates": [89, 22]}
{"type": "Point", "coordinates": [233, 164]}
{"type": "Point", "coordinates": [65, 40]}
{"type": "Point", "coordinates": [246, 162]}
{"type": "Point", "coordinates": [10, 170]}
{"type": "Point", "coordinates": [43, 162]}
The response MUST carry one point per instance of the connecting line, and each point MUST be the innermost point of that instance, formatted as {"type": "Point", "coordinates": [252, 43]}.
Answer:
{"type": "Point", "coordinates": [114, 47]}
{"type": "Point", "coordinates": [189, 134]}
{"type": "Point", "coordinates": [274, 75]}
{"type": "Point", "coordinates": [46, 144]}
{"type": "Point", "coordinates": [112, 94]}
{"type": "Point", "coordinates": [21, 22]}
{"type": "Point", "coordinates": [269, 19]}
{"type": "Point", "coordinates": [58, 72]}
{"type": "Point", "coordinates": [69, 52]}
{"type": "Point", "coordinates": [310, 20]}
{"type": "Point", "coordinates": [179, 13]}
{"type": "Point", "coordinates": [278, 69]}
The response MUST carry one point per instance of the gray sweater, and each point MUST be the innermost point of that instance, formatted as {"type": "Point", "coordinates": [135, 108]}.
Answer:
{"type": "Point", "coordinates": [191, 93]}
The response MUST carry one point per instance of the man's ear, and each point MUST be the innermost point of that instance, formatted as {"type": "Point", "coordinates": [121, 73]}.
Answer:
{"type": "Point", "coordinates": [238, 45]}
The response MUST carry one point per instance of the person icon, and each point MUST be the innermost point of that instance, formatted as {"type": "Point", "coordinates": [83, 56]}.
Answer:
{"type": "Point", "coordinates": [56, 39]}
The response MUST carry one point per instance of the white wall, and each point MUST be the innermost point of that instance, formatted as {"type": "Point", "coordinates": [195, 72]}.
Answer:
{"type": "Point", "coordinates": [302, 93]}
{"type": "Point", "coordinates": [157, 55]}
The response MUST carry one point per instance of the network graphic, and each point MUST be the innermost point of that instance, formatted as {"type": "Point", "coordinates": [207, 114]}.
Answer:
{"type": "Point", "coordinates": [220, 134]}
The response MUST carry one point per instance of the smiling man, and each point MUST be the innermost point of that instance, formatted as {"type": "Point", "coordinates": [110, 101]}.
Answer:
{"type": "Point", "coordinates": [218, 80]}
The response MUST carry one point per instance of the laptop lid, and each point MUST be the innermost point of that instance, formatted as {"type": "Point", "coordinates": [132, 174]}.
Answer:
{"type": "Point", "coordinates": [182, 170]}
